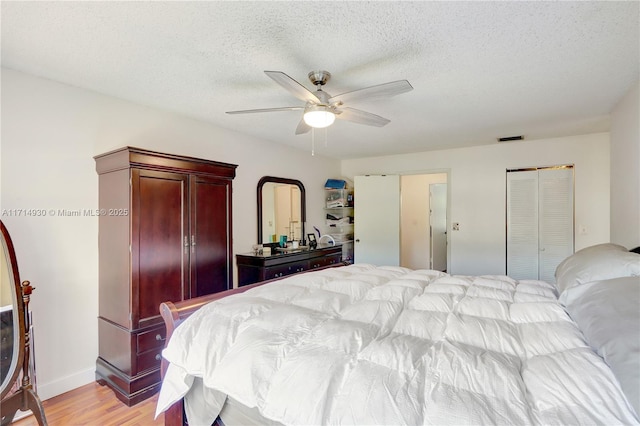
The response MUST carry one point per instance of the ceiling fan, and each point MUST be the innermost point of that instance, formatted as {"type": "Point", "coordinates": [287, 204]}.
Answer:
{"type": "Point", "coordinates": [321, 109]}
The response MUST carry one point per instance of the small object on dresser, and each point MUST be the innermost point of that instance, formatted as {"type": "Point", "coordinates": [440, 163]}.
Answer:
{"type": "Point", "coordinates": [266, 250]}
{"type": "Point", "coordinates": [312, 241]}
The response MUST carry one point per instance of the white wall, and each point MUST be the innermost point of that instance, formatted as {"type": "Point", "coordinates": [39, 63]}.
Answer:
{"type": "Point", "coordinates": [625, 170]}
{"type": "Point", "coordinates": [477, 190]}
{"type": "Point", "coordinates": [415, 242]}
{"type": "Point", "coordinates": [50, 133]}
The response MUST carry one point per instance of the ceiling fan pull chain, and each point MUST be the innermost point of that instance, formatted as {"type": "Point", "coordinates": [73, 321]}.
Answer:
{"type": "Point", "coordinates": [326, 145]}
{"type": "Point", "coordinates": [313, 141]}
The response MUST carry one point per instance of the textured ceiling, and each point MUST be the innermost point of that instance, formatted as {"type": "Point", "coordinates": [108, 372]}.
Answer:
{"type": "Point", "coordinates": [480, 70]}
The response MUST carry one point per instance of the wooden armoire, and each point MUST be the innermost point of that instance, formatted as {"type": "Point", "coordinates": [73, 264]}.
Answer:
{"type": "Point", "coordinates": [164, 234]}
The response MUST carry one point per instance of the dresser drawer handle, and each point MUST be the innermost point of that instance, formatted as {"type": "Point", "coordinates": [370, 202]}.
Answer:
{"type": "Point", "coordinates": [158, 357]}
{"type": "Point", "coordinates": [159, 337]}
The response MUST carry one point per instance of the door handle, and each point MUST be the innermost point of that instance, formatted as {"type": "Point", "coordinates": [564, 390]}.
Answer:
{"type": "Point", "coordinates": [358, 240]}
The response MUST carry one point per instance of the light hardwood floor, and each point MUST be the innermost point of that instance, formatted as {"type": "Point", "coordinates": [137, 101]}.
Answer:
{"type": "Point", "coordinates": [95, 405]}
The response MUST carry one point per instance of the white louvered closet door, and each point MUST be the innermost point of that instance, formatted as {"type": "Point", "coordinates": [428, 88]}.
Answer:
{"type": "Point", "coordinates": [555, 207]}
{"type": "Point", "coordinates": [522, 224]}
{"type": "Point", "coordinates": [539, 222]}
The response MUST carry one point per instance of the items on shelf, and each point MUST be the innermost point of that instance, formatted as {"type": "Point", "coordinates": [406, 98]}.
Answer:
{"type": "Point", "coordinates": [342, 238]}
{"type": "Point", "coordinates": [333, 220]}
{"type": "Point", "coordinates": [339, 215]}
{"type": "Point", "coordinates": [335, 184]}
{"type": "Point", "coordinates": [337, 198]}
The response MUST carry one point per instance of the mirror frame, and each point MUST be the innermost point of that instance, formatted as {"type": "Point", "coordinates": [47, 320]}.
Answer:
{"type": "Point", "coordinates": [18, 315]}
{"type": "Point", "coordinates": [303, 201]}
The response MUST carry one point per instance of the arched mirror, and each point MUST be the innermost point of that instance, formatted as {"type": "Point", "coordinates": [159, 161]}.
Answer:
{"type": "Point", "coordinates": [14, 347]}
{"type": "Point", "coordinates": [281, 209]}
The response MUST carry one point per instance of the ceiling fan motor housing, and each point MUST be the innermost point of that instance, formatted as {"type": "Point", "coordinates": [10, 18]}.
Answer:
{"type": "Point", "coordinates": [319, 77]}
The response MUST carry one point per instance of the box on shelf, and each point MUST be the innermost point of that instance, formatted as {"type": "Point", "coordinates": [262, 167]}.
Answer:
{"type": "Point", "coordinates": [335, 184]}
{"type": "Point", "coordinates": [335, 220]}
{"type": "Point", "coordinates": [336, 198]}
{"type": "Point", "coordinates": [342, 238]}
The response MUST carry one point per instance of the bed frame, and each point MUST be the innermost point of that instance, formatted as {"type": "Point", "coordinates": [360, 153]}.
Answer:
{"type": "Point", "coordinates": [173, 313]}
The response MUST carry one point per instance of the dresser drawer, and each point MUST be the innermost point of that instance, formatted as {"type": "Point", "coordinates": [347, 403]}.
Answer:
{"type": "Point", "coordinates": [286, 269]}
{"type": "Point", "coordinates": [149, 360]}
{"type": "Point", "coordinates": [151, 339]}
{"type": "Point", "coordinates": [325, 261]}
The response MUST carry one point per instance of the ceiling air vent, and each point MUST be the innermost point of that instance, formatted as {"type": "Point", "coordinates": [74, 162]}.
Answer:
{"type": "Point", "coordinates": [511, 138]}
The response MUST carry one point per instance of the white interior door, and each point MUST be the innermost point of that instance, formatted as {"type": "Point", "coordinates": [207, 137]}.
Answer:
{"type": "Point", "coordinates": [377, 220]}
{"type": "Point", "coordinates": [438, 225]}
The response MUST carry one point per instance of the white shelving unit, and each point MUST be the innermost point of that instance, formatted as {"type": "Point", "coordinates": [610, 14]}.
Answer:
{"type": "Point", "coordinates": [339, 219]}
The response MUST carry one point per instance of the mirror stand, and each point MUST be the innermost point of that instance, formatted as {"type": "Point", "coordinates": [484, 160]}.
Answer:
{"type": "Point", "coordinates": [25, 397]}
{"type": "Point", "coordinates": [16, 339]}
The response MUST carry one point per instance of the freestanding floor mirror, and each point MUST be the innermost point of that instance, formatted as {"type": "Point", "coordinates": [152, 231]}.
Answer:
{"type": "Point", "coordinates": [15, 339]}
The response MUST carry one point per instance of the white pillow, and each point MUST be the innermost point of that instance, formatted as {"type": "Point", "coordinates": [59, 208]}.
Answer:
{"type": "Point", "coordinates": [599, 262]}
{"type": "Point", "coordinates": [607, 314]}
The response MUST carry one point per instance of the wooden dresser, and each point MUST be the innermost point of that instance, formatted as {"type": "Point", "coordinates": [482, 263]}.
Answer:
{"type": "Point", "coordinates": [164, 235]}
{"type": "Point", "coordinates": [255, 267]}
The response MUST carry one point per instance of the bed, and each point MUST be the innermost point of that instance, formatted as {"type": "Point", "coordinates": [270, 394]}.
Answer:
{"type": "Point", "coordinates": [363, 344]}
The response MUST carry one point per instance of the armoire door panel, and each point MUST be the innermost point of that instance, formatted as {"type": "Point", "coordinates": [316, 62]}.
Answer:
{"type": "Point", "coordinates": [158, 248]}
{"type": "Point", "coordinates": [210, 256]}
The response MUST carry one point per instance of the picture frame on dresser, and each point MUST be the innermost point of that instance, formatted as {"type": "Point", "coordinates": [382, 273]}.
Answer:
{"type": "Point", "coordinates": [312, 242]}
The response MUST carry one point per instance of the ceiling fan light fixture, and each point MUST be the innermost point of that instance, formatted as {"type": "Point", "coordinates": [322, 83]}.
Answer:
{"type": "Point", "coordinates": [319, 116]}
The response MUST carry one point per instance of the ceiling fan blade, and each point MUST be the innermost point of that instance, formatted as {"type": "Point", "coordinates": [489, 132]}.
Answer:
{"type": "Point", "coordinates": [295, 88]}
{"type": "Point", "coordinates": [302, 127]}
{"type": "Point", "coordinates": [362, 117]}
{"type": "Point", "coordinates": [248, 111]}
{"type": "Point", "coordinates": [385, 90]}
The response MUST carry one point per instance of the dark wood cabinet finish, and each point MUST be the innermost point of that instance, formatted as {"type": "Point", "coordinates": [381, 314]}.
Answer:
{"type": "Point", "coordinates": [254, 268]}
{"type": "Point", "coordinates": [164, 234]}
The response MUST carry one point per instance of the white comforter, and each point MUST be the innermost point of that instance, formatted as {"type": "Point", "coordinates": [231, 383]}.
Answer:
{"type": "Point", "coordinates": [386, 345]}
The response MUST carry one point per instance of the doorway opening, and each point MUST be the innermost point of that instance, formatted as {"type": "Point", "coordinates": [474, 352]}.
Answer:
{"type": "Point", "coordinates": [423, 221]}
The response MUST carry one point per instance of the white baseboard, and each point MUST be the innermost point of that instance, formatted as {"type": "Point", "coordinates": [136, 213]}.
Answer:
{"type": "Point", "coordinates": [65, 384]}
{"type": "Point", "coordinates": [21, 415]}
